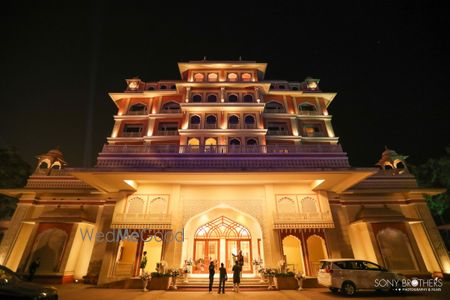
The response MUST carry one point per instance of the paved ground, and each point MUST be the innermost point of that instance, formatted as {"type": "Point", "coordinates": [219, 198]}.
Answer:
{"type": "Point", "coordinates": [77, 292]}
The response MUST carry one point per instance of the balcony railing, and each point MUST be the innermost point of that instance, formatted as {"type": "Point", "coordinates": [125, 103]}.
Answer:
{"type": "Point", "coordinates": [315, 134]}
{"type": "Point", "coordinates": [233, 126]}
{"type": "Point", "coordinates": [278, 132]}
{"type": "Point", "coordinates": [221, 149]}
{"type": "Point", "coordinates": [250, 126]}
{"type": "Point", "coordinates": [171, 111]}
{"type": "Point", "coordinates": [137, 112]}
{"type": "Point", "coordinates": [210, 126]}
{"type": "Point", "coordinates": [194, 126]}
{"type": "Point", "coordinates": [302, 217]}
{"type": "Point", "coordinates": [275, 110]}
{"type": "Point", "coordinates": [167, 132]}
{"type": "Point", "coordinates": [141, 218]}
{"type": "Point", "coordinates": [131, 134]}
{"type": "Point", "coordinates": [309, 112]}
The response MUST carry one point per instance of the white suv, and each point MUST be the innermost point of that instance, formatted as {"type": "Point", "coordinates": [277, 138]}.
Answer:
{"type": "Point", "coordinates": [350, 275]}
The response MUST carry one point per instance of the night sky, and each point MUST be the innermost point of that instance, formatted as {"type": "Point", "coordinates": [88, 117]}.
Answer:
{"type": "Point", "coordinates": [389, 63]}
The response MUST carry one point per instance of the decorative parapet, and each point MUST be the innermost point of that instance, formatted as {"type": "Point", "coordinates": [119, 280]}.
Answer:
{"type": "Point", "coordinates": [303, 220]}
{"type": "Point", "coordinates": [270, 157]}
{"type": "Point", "coordinates": [142, 221]}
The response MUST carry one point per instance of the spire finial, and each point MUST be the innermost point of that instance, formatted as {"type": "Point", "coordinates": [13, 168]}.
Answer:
{"type": "Point", "coordinates": [204, 57]}
{"type": "Point", "coordinates": [240, 58]}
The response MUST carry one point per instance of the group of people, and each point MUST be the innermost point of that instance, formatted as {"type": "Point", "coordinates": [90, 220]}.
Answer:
{"type": "Point", "coordinates": [223, 277]}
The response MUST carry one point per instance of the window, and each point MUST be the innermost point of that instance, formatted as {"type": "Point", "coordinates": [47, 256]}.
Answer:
{"type": "Point", "coordinates": [194, 122]}
{"type": "Point", "coordinates": [313, 130]}
{"type": "Point", "coordinates": [151, 88]}
{"type": "Point", "coordinates": [249, 121]}
{"type": "Point", "coordinates": [295, 88]}
{"type": "Point", "coordinates": [173, 87]}
{"type": "Point", "coordinates": [281, 87]}
{"type": "Point", "coordinates": [130, 130]}
{"type": "Point", "coordinates": [248, 98]}
{"type": "Point", "coordinates": [163, 87]}
{"type": "Point", "coordinates": [137, 109]}
{"type": "Point", "coordinates": [308, 205]}
{"type": "Point", "coordinates": [252, 142]}
{"type": "Point", "coordinates": [233, 98]}
{"type": "Point", "coordinates": [198, 77]}
{"type": "Point", "coordinates": [43, 165]}
{"type": "Point", "coordinates": [171, 107]}
{"type": "Point", "coordinates": [274, 107]}
{"type": "Point", "coordinates": [232, 77]}
{"type": "Point", "coordinates": [211, 122]}
{"type": "Point", "coordinates": [212, 98]}
{"type": "Point", "coordinates": [246, 77]}
{"type": "Point", "coordinates": [307, 107]}
{"type": "Point", "coordinates": [194, 142]}
{"type": "Point", "coordinates": [212, 77]}
{"type": "Point", "coordinates": [168, 128]}
{"type": "Point", "coordinates": [197, 98]}
{"type": "Point", "coordinates": [277, 128]}
{"type": "Point", "coordinates": [210, 142]}
{"type": "Point", "coordinates": [233, 122]}
{"type": "Point", "coordinates": [235, 142]}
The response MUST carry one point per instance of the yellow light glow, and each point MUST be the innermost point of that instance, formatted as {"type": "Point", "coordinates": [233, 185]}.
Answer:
{"type": "Point", "coordinates": [132, 183]}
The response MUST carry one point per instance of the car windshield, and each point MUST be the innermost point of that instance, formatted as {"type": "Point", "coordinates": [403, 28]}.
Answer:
{"type": "Point", "coordinates": [371, 266]}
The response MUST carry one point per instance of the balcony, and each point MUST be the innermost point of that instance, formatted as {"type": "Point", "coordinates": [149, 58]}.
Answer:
{"type": "Point", "coordinates": [141, 221]}
{"type": "Point", "coordinates": [233, 126]}
{"type": "Point", "coordinates": [137, 112]}
{"type": "Point", "coordinates": [131, 134]}
{"type": "Point", "coordinates": [171, 111]}
{"type": "Point", "coordinates": [303, 220]}
{"type": "Point", "coordinates": [274, 110]}
{"type": "Point", "coordinates": [210, 126]}
{"type": "Point", "coordinates": [309, 113]}
{"type": "Point", "coordinates": [315, 134]}
{"type": "Point", "coordinates": [250, 126]}
{"type": "Point", "coordinates": [278, 132]}
{"type": "Point", "coordinates": [167, 132]}
{"type": "Point", "coordinates": [194, 126]}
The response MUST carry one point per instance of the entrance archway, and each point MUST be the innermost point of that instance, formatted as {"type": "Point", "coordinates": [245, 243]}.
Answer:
{"type": "Point", "coordinates": [292, 250]}
{"type": "Point", "coordinates": [316, 250]}
{"type": "Point", "coordinates": [218, 232]}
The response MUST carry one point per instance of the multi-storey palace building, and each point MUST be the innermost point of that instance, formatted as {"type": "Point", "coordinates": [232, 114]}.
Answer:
{"type": "Point", "coordinates": [220, 161]}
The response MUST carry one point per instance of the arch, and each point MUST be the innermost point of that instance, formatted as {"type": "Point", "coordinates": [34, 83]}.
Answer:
{"type": "Point", "coordinates": [292, 250]}
{"type": "Point", "coordinates": [210, 142]}
{"type": "Point", "coordinates": [135, 206]}
{"type": "Point", "coordinates": [194, 142]}
{"type": "Point", "coordinates": [235, 142]}
{"type": "Point", "coordinates": [274, 105]}
{"type": "Point", "coordinates": [233, 98]}
{"type": "Point", "coordinates": [248, 98]}
{"type": "Point", "coordinates": [162, 87]}
{"type": "Point", "coordinates": [222, 227]}
{"type": "Point", "coordinates": [211, 120]}
{"type": "Point", "coordinates": [56, 165]}
{"type": "Point", "coordinates": [233, 119]}
{"type": "Point", "coordinates": [197, 98]}
{"type": "Point", "coordinates": [232, 77]}
{"type": "Point", "coordinates": [286, 205]}
{"type": "Point", "coordinates": [306, 106]}
{"type": "Point", "coordinates": [251, 142]}
{"type": "Point", "coordinates": [173, 87]}
{"type": "Point", "coordinates": [316, 251]}
{"type": "Point", "coordinates": [158, 205]}
{"type": "Point", "coordinates": [212, 98]}
{"type": "Point", "coordinates": [212, 77]}
{"type": "Point", "coordinates": [309, 205]}
{"type": "Point", "coordinates": [43, 165]}
{"type": "Point", "coordinates": [198, 77]}
{"type": "Point", "coordinates": [137, 107]}
{"type": "Point", "coordinates": [399, 164]}
{"type": "Point", "coordinates": [171, 106]}
{"type": "Point", "coordinates": [246, 76]}
{"type": "Point", "coordinates": [295, 88]}
{"type": "Point", "coordinates": [151, 88]}
{"type": "Point", "coordinates": [195, 120]}
{"type": "Point", "coordinates": [281, 87]}
{"type": "Point", "coordinates": [249, 120]}
{"type": "Point", "coordinates": [396, 250]}
{"type": "Point", "coordinates": [49, 247]}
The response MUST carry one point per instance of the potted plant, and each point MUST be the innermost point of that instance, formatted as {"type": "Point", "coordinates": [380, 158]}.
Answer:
{"type": "Point", "coordinates": [174, 273]}
{"type": "Point", "coordinates": [159, 281]}
{"type": "Point", "coordinates": [268, 274]}
{"type": "Point", "coordinates": [257, 263]}
{"type": "Point", "coordinates": [145, 278]}
{"type": "Point", "coordinates": [286, 281]}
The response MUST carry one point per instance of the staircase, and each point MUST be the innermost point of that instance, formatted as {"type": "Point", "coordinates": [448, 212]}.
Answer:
{"type": "Point", "coordinates": [201, 284]}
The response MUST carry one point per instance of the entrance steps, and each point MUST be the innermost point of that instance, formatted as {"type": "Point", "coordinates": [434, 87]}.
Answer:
{"type": "Point", "coordinates": [196, 283]}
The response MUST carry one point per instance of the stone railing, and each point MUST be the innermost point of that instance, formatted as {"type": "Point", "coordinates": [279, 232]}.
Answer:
{"type": "Point", "coordinates": [142, 218]}
{"type": "Point", "coordinates": [302, 217]}
{"type": "Point", "coordinates": [222, 149]}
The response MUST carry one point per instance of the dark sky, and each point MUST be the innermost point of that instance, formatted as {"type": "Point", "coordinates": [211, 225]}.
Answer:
{"type": "Point", "coordinates": [388, 62]}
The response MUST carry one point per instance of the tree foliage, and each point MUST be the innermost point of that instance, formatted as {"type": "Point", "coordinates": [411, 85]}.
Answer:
{"type": "Point", "coordinates": [436, 173]}
{"type": "Point", "coordinates": [14, 172]}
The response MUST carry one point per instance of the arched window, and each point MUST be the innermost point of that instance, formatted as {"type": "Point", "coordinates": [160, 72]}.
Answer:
{"type": "Point", "coordinates": [210, 142]}
{"type": "Point", "coordinates": [171, 107]}
{"type": "Point", "coordinates": [233, 122]}
{"type": "Point", "coordinates": [212, 77]}
{"type": "Point", "coordinates": [198, 77]}
{"type": "Point", "coordinates": [248, 98]}
{"type": "Point", "coordinates": [274, 107]}
{"type": "Point", "coordinates": [137, 108]}
{"type": "Point", "coordinates": [43, 165]}
{"type": "Point", "coordinates": [246, 77]}
{"type": "Point", "coordinates": [307, 107]}
{"type": "Point", "coordinates": [249, 121]}
{"type": "Point", "coordinates": [232, 77]}
{"type": "Point", "coordinates": [294, 88]}
{"type": "Point", "coordinates": [163, 87]}
{"type": "Point", "coordinates": [222, 227]}
{"type": "Point", "coordinates": [252, 142]}
{"type": "Point", "coordinates": [197, 98]}
{"type": "Point", "coordinates": [235, 142]}
{"type": "Point", "coordinates": [195, 122]}
{"type": "Point", "coordinates": [151, 88]}
{"type": "Point", "coordinates": [194, 142]}
{"type": "Point", "coordinates": [281, 87]}
{"type": "Point", "coordinates": [286, 205]}
{"type": "Point", "coordinates": [158, 205]}
{"type": "Point", "coordinates": [309, 205]}
{"type": "Point", "coordinates": [135, 206]}
{"type": "Point", "coordinates": [49, 247]}
{"type": "Point", "coordinates": [212, 98]}
{"type": "Point", "coordinates": [173, 87]}
{"type": "Point", "coordinates": [56, 166]}
{"type": "Point", "coordinates": [211, 121]}
{"type": "Point", "coordinates": [233, 98]}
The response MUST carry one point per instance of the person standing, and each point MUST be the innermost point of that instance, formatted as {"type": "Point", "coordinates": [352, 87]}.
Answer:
{"type": "Point", "coordinates": [143, 262]}
{"type": "Point", "coordinates": [223, 277]}
{"type": "Point", "coordinates": [212, 271]}
{"type": "Point", "coordinates": [236, 276]}
{"type": "Point", "coordinates": [33, 267]}
{"type": "Point", "coordinates": [240, 260]}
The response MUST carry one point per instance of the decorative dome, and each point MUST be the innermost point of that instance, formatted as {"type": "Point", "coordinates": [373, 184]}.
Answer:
{"type": "Point", "coordinates": [390, 159]}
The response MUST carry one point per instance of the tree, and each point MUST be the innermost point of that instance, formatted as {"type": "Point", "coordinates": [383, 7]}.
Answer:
{"type": "Point", "coordinates": [14, 172]}
{"type": "Point", "coordinates": [436, 173]}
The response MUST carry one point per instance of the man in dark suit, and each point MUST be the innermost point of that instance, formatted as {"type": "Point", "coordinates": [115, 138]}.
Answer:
{"type": "Point", "coordinates": [212, 271]}
{"type": "Point", "coordinates": [223, 277]}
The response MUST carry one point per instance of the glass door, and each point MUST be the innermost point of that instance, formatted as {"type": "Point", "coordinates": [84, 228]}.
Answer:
{"type": "Point", "coordinates": [205, 251]}
{"type": "Point", "coordinates": [246, 252]}
{"type": "Point", "coordinates": [233, 247]}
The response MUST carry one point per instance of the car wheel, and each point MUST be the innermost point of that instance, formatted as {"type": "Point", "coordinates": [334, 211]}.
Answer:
{"type": "Point", "coordinates": [348, 288]}
{"type": "Point", "coordinates": [334, 290]}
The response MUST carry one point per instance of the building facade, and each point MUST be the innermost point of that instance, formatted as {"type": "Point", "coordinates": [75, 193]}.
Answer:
{"type": "Point", "coordinates": [220, 161]}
